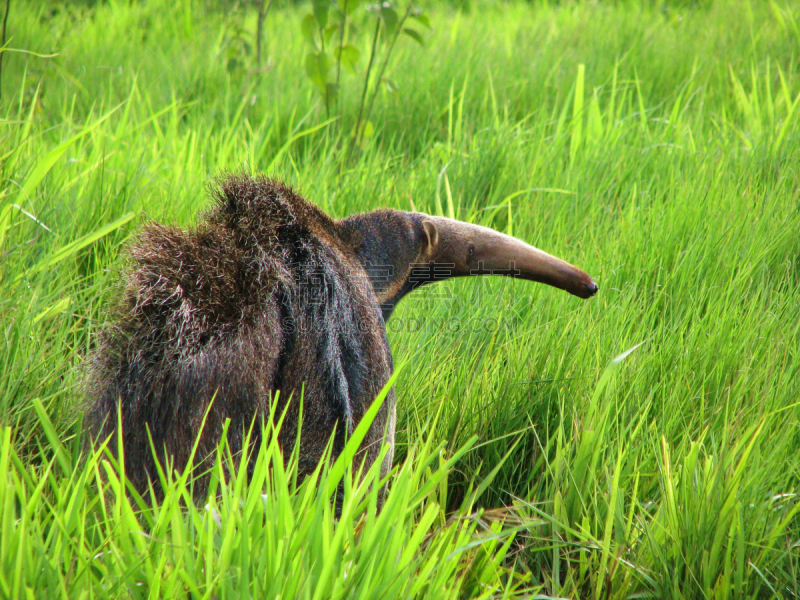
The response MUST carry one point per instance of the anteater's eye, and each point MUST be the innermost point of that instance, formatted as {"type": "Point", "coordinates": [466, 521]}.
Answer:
{"type": "Point", "coordinates": [470, 251]}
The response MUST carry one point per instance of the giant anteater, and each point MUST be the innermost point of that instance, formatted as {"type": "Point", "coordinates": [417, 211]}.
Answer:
{"type": "Point", "coordinates": [268, 293]}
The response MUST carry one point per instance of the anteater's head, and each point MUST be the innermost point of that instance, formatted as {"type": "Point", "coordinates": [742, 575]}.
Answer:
{"type": "Point", "coordinates": [402, 251]}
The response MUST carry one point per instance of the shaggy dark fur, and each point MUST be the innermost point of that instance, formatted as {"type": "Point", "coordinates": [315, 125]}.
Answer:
{"type": "Point", "coordinates": [261, 296]}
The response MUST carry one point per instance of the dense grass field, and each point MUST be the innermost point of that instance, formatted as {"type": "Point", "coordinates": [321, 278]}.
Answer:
{"type": "Point", "coordinates": [655, 145]}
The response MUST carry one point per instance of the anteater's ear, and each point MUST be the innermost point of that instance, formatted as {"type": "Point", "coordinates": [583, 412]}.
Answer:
{"type": "Point", "coordinates": [431, 234]}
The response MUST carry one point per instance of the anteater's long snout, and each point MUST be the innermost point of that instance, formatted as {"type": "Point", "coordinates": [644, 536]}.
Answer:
{"type": "Point", "coordinates": [476, 250]}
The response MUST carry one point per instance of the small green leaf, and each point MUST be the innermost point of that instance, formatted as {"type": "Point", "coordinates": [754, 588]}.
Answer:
{"type": "Point", "coordinates": [368, 130]}
{"type": "Point", "coordinates": [308, 25]}
{"type": "Point", "coordinates": [389, 16]}
{"type": "Point", "coordinates": [391, 85]}
{"type": "Point", "coordinates": [421, 19]}
{"type": "Point", "coordinates": [233, 65]}
{"type": "Point", "coordinates": [414, 36]}
{"type": "Point", "coordinates": [331, 31]}
{"type": "Point", "coordinates": [311, 69]}
{"type": "Point", "coordinates": [317, 66]}
{"type": "Point", "coordinates": [324, 64]}
{"type": "Point", "coordinates": [349, 6]}
{"type": "Point", "coordinates": [321, 12]}
{"type": "Point", "coordinates": [348, 55]}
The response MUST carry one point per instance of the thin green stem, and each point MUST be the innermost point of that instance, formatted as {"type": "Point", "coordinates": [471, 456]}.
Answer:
{"type": "Point", "coordinates": [2, 44]}
{"type": "Point", "coordinates": [341, 43]}
{"type": "Point", "coordinates": [325, 83]}
{"type": "Point", "coordinates": [364, 91]}
{"type": "Point", "coordinates": [386, 60]}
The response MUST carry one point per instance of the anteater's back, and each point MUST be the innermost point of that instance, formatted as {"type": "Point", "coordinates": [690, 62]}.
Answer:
{"type": "Point", "coordinates": [261, 296]}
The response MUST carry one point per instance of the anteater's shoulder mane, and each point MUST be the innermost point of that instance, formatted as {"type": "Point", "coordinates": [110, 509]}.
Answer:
{"type": "Point", "coordinates": [259, 209]}
{"type": "Point", "coordinates": [187, 284]}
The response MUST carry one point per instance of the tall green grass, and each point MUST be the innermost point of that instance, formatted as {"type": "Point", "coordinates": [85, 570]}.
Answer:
{"type": "Point", "coordinates": [654, 145]}
{"type": "Point", "coordinates": [73, 528]}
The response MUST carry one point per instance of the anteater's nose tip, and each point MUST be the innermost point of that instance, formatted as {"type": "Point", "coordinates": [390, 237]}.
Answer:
{"type": "Point", "coordinates": [591, 289]}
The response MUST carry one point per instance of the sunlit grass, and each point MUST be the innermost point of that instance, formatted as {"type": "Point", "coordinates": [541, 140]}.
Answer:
{"type": "Point", "coordinates": [71, 528]}
{"type": "Point", "coordinates": [656, 147]}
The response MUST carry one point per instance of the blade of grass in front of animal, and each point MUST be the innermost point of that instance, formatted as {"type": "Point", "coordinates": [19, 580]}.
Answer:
{"type": "Point", "coordinates": [422, 526]}
{"type": "Point", "coordinates": [229, 533]}
{"type": "Point", "coordinates": [347, 455]}
{"type": "Point", "coordinates": [52, 436]}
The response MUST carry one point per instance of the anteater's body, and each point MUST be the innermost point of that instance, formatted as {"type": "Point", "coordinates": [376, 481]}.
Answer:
{"type": "Point", "coordinates": [261, 297]}
{"type": "Point", "coordinates": [269, 294]}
